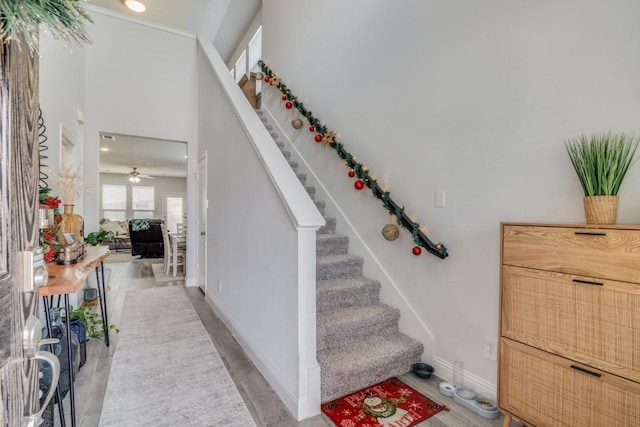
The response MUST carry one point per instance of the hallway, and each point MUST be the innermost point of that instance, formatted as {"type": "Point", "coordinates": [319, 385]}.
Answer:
{"type": "Point", "coordinates": [261, 401]}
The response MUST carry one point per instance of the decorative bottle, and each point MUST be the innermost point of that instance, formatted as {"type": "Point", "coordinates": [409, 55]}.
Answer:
{"type": "Point", "coordinates": [70, 223]}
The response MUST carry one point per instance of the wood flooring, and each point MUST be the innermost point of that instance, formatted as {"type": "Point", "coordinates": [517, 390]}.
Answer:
{"type": "Point", "coordinates": [263, 404]}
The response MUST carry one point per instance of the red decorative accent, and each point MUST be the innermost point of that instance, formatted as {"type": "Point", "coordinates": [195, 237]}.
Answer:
{"type": "Point", "coordinates": [266, 79]}
{"type": "Point", "coordinates": [289, 105]}
{"type": "Point", "coordinates": [352, 174]}
{"type": "Point", "coordinates": [284, 97]}
{"type": "Point", "coordinates": [416, 250]}
{"type": "Point", "coordinates": [359, 185]}
{"type": "Point", "coordinates": [411, 407]}
{"type": "Point", "coordinates": [318, 138]}
{"type": "Point", "coordinates": [312, 129]}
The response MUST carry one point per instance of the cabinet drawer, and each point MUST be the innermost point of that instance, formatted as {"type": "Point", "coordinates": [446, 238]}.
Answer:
{"type": "Point", "coordinates": [592, 321]}
{"type": "Point", "coordinates": [603, 253]}
{"type": "Point", "coordinates": [547, 390]}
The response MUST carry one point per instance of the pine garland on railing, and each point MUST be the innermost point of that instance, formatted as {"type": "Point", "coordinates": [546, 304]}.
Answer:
{"type": "Point", "coordinates": [328, 137]}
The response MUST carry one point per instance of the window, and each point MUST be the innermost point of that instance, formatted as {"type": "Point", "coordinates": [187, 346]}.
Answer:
{"type": "Point", "coordinates": [142, 214]}
{"type": "Point", "coordinates": [143, 202]}
{"type": "Point", "coordinates": [114, 202]}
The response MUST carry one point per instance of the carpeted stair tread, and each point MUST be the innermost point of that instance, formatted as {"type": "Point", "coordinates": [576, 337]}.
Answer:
{"type": "Point", "coordinates": [357, 337]}
{"type": "Point", "coordinates": [311, 190]}
{"type": "Point", "coordinates": [335, 266]}
{"type": "Point", "coordinates": [329, 227]}
{"type": "Point", "coordinates": [345, 326]}
{"type": "Point", "coordinates": [346, 292]}
{"type": "Point", "coordinates": [331, 244]}
{"type": "Point", "coordinates": [349, 368]}
{"type": "Point", "coordinates": [286, 154]}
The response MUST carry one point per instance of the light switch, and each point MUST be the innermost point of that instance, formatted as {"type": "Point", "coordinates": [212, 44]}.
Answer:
{"type": "Point", "coordinates": [440, 199]}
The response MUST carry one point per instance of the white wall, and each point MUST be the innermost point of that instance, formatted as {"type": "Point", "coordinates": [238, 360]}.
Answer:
{"type": "Point", "coordinates": [261, 228]}
{"type": "Point", "coordinates": [160, 184]}
{"type": "Point", "coordinates": [140, 80]}
{"type": "Point", "coordinates": [474, 98]}
{"type": "Point", "coordinates": [61, 98]}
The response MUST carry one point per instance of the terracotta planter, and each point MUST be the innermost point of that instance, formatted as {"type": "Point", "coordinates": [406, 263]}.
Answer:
{"type": "Point", "coordinates": [601, 209]}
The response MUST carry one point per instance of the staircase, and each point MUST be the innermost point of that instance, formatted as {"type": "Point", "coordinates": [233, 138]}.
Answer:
{"type": "Point", "coordinates": [358, 341]}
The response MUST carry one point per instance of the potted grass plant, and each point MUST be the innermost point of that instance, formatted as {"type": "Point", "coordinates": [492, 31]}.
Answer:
{"type": "Point", "coordinates": [601, 161]}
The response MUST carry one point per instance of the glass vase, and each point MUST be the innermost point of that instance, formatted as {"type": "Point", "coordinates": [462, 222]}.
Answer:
{"type": "Point", "coordinates": [70, 223]}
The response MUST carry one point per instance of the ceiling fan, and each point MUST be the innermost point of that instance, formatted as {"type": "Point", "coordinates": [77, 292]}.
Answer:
{"type": "Point", "coordinates": [134, 175]}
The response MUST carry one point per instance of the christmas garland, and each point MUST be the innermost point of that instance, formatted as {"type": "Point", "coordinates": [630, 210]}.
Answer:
{"type": "Point", "coordinates": [64, 18]}
{"type": "Point", "coordinates": [328, 137]}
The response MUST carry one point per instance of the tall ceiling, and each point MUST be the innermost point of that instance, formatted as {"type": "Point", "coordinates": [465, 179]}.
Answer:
{"type": "Point", "coordinates": [224, 22]}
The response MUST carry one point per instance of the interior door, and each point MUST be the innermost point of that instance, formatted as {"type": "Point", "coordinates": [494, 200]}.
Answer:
{"type": "Point", "coordinates": [173, 210]}
{"type": "Point", "coordinates": [203, 204]}
{"type": "Point", "coordinates": [19, 233]}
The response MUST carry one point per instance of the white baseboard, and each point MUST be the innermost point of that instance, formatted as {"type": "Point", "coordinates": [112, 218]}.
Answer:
{"type": "Point", "coordinates": [444, 369]}
{"type": "Point", "coordinates": [299, 408]}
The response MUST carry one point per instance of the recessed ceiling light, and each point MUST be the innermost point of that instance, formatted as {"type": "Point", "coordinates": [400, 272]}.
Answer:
{"type": "Point", "coordinates": [108, 137]}
{"type": "Point", "coordinates": [185, 157]}
{"type": "Point", "coordinates": [135, 5]}
{"type": "Point", "coordinates": [104, 149]}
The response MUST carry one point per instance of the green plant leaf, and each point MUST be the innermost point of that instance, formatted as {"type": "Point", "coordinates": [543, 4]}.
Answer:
{"type": "Point", "coordinates": [602, 160]}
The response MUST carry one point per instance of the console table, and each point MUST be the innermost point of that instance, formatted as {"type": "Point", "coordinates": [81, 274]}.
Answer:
{"type": "Point", "coordinates": [69, 279]}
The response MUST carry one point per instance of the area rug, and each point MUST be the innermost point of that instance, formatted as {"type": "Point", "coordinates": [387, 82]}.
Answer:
{"type": "Point", "coordinates": [165, 370]}
{"type": "Point", "coordinates": [160, 276]}
{"type": "Point", "coordinates": [390, 403]}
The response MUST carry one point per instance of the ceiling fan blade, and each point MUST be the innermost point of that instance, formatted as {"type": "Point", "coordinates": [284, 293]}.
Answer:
{"type": "Point", "coordinates": [146, 176]}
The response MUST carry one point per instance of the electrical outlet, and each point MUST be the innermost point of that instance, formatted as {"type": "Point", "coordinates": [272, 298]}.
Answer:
{"type": "Point", "coordinates": [439, 199]}
{"type": "Point", "coordinates": [491, 349]}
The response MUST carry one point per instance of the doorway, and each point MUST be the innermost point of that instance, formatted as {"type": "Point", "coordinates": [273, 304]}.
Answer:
{"type": "Point", "coordinates": [174, 210]}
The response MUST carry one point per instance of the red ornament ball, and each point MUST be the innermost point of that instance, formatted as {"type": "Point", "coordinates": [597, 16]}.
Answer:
{"type": "Point", "coordinates": [359, 185]}
{"type": "Point", "coordinates": [312, 129]}
{"type": "Point", "coordinates": [266, 79]}
{"type": "Point", "coordinates": [416, 250]}
{"type": "Point", "coordinates": [284, 97]}
{"type": "Point", "coordinates": [289, 105]}
{"type": "Point", "coordinates": [318, 138]}
{"type": "Point", "coordinates": [352, 174]}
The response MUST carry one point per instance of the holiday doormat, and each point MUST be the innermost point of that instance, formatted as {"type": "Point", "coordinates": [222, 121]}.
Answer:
{"type": "Point", "coordinates": [390, 403]}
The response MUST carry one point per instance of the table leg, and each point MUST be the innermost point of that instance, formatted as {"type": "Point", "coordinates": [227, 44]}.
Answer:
{"type": "Point", "coordinates": [47, 306]}
{"type": "Point", "coordinates": [72, 398]}
{"type": "Point", "coordinates": [102, 300]}
{"type": "Point", "coordinates": [105, 319]}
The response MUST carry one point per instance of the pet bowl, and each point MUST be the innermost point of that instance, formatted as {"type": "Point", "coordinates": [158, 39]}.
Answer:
{"type": "Point", "coordinates": [466, 392]}
{"type": "Point", "coordinates": [486, 402]}
{"type": "Point", "coordinates": [422, 370]}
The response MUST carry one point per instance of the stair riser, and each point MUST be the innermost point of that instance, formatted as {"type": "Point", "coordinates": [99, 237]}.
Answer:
{"type": "Point", "coordinates": [334, 299]}
{"type": "Point", "coordinates": [355, 334]}
{"type": "Point", "coordinates": [329, 227]}
{"type": "Point", "coordinates": [359, 379]}
{"type": "Point", "coordinates": [335, 271]}
{"type": "Point", "coordinates": [335, 246]}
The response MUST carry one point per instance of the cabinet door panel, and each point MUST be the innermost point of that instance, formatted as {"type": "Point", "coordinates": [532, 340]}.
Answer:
{"type": "Point", "coordinates": [546, 390]}
{"type": "Point", "coordinates": [594, 252]}
{"type": "Point", "coordinates": [589, 320]}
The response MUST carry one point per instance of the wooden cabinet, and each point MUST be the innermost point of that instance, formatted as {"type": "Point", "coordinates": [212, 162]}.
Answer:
{"type": "Point", "coordinates": [570, 325]}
